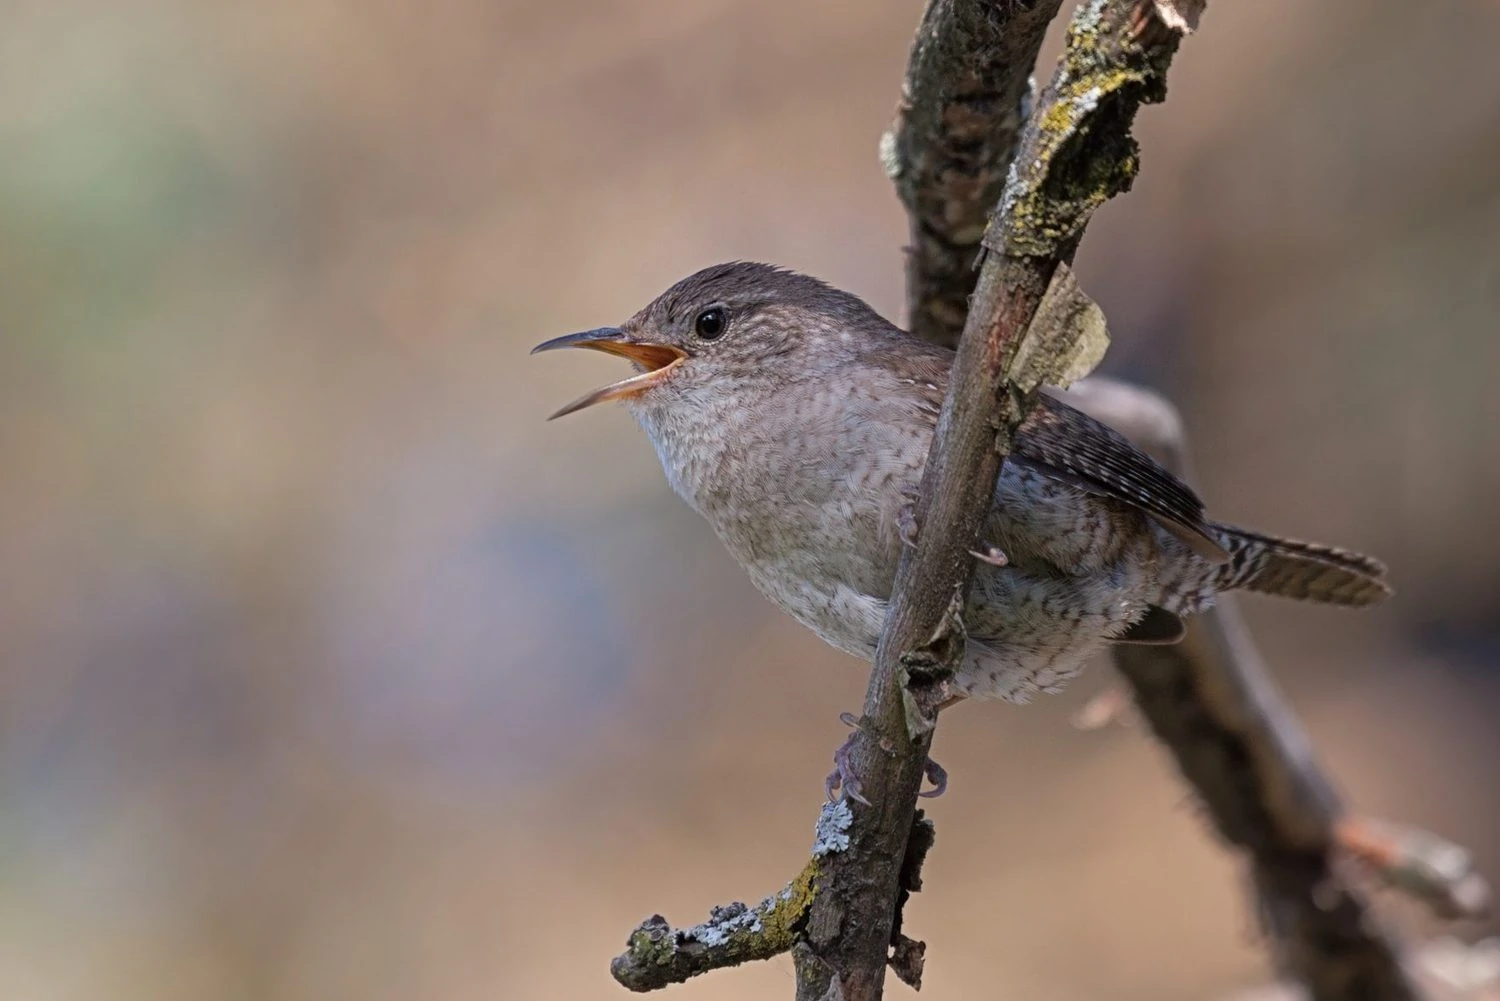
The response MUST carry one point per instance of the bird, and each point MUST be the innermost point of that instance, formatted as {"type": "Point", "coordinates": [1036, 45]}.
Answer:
{"type": "Point", "coordinates": [796, 420]}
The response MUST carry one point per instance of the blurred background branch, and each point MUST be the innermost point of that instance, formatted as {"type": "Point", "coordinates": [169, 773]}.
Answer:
{"type": "Point", "coordinates": [1447, 969]}
{"type": "Point", "coordinates": [1211, 701]}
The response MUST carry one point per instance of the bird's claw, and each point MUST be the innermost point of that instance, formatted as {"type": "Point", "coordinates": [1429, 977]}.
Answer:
{"type": "Point", "coordinates": [906, 524]}
{"type": "Point", "coordinates": [906, 528]}
{"type": "Point", "coordinates": [906, 516]}
{"type": "Point", "coordinates": [990, 553]}
{"type": "Point", "coordinates": [842, 776]}
{"type": "Point", "coordinates": [938, 776]}
{"type": "Point", "coordinates": [843, 781]}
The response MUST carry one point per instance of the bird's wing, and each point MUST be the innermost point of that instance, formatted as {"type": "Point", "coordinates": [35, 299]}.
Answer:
{"type": "Point", "coordinates": [1070, 446]}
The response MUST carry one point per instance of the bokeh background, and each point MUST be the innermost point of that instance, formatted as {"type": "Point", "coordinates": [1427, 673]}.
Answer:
{"type": "Point", "coordinates": [330, 672]}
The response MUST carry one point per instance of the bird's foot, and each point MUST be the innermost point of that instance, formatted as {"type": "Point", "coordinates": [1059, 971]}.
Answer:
{"type": "Point", "coordinates": [842, 778]}
{"type": "Point", "coordinates": [906, 519]}
{"type": "Point", "coordinates": [906, 528]}
{"type": "Point", "coordinates": [938, 776]}
{"type": "Point", "coordinates": [990, 553]}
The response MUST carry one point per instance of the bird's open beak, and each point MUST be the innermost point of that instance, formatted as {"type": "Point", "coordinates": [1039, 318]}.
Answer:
{"type": "Point", "coordinates": [656, 359]}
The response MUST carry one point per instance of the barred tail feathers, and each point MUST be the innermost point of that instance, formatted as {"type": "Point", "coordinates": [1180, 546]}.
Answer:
{"type": "Point", "coordinates": [1303, 570]}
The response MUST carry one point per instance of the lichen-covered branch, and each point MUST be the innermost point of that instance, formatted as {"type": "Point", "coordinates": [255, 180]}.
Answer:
{"type": "Point", "coordinates": [962, 107]}
{"type": "Point", "coordinates": [657, 954]}
{"type": "Point", "coordinates": [1077, 151]}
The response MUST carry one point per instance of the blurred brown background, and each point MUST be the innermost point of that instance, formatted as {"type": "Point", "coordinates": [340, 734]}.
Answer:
{"type": "Point", "coordinates": [330, 672]}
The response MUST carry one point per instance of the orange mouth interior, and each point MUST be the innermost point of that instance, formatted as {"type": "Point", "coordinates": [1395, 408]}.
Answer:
{"type": "Point", "coordinates": [657, 359]}
{"type": "Point", "coordinates": [652, 356]}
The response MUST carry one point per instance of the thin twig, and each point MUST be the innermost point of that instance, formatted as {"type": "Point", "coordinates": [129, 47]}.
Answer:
{"type": "Point", "coordinates": [1432, 869]}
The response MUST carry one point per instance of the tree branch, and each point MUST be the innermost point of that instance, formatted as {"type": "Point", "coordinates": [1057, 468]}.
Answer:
{"type": "Point", "coordinates": [657, 955]}
{"type": "Point", "coordinates": [1076, 152]}
{"type": "Point", "coordinates": [1422, 865]}
{"type": "Point", "coordinates": [1447, 969]}
{"type": "Point", "coordinates": [963, 104]}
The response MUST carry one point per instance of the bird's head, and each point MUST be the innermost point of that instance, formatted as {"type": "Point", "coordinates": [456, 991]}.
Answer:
{"type": "Point", "coordinates": [725, 328]}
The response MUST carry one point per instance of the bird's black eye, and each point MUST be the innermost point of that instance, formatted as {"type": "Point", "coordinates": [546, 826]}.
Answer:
{"type": "Point", "coordinates": [710, 323]}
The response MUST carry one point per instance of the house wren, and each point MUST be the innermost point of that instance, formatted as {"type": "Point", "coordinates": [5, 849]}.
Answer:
{"type": "Point", "coordinates": [797, 421]}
